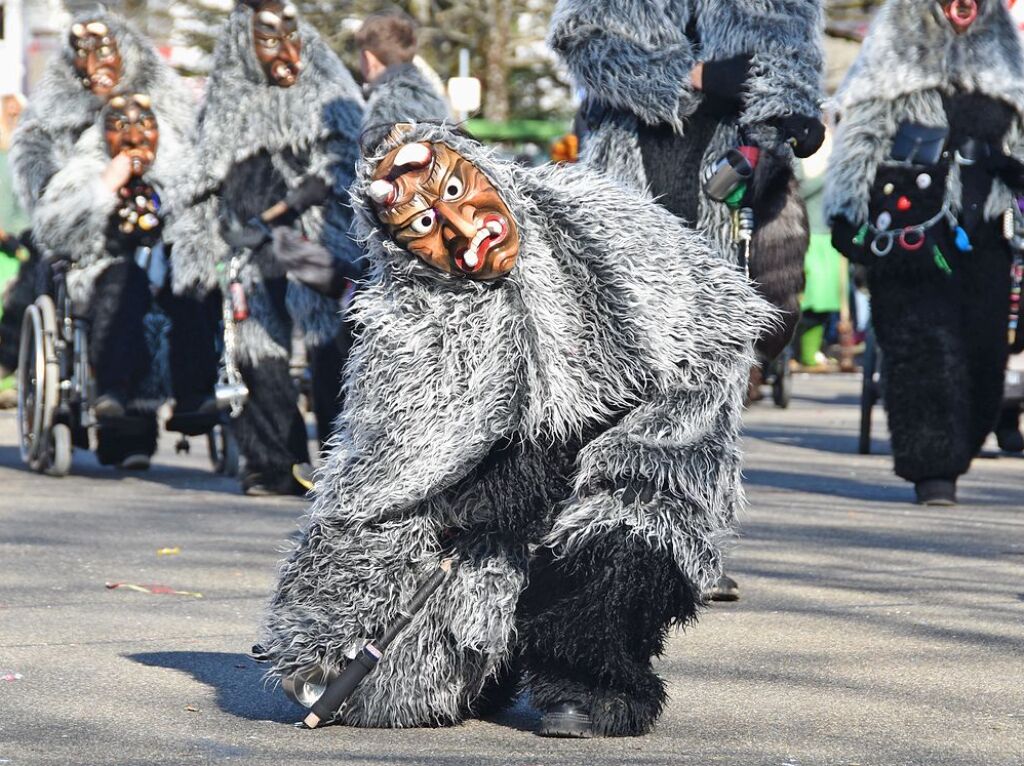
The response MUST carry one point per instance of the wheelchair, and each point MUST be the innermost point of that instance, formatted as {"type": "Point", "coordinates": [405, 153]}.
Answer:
{"type": "Point", "coordinates": [56, 389]}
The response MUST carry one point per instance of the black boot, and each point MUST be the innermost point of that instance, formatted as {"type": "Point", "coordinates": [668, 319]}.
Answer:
{"type": "Point", "coordinates": [726, 589]}
{"type": "Point", "coordinates": [1008, 430]}
{"type": "Point", "coordinates": [937, 492]}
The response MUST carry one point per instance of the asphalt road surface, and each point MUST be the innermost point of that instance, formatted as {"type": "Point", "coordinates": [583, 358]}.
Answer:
{"type": "Point", "coordinates": [870, 631]}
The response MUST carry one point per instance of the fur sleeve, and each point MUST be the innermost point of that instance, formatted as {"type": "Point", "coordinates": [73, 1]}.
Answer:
{"type": "Point", "coordinates": [197, 246]}
{"type": "Point", "coordinates": [788, 59]}
{"type": "Point", "coordinates": [430, 387]}
{"type": "Point", "coordinates": [34, 160]}
{"type": "Point", "coordinates": [72, 214]}
{"type": "Point", "coordinates": [598, 45]}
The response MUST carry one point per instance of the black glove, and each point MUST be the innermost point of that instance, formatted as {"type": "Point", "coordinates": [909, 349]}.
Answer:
{"type": "Point", "coordinates": [250, 236]}
{"type": "Point", "coordinates": [804, 134]}
{"type": "Point", "coordinates": [312, 191]}
{"type": "Point", "coordinates": [1007, 169]}
{"type": "Point", "coordinates": [9, 244]}
{"type": "Point", "coordinates": [843, 235]}
{"type": "Point", "coordinates": [726, 78]}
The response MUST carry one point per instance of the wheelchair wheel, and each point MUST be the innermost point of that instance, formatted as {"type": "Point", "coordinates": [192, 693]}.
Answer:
{"type": "Point", "coordinates": [38, 381]}
{"type": "Point", "coordinates": [59, 458]}
{"type": "Point", "coordinates": [223, 450]}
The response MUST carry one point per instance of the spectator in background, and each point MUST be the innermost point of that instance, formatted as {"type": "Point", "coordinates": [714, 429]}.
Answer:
{"type": "Point", "coordinates": [395, 89]}
{"type": "Point", "coordinates": [13, 255]}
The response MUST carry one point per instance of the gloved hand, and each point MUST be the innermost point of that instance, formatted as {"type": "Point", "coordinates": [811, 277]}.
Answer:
{"type": "Point", "coordinates": [249, 236]}
{"type": "Point", "coordinates": [1007, 169]}
{"type": "Point", "coordinates": [843, 235]}
{"type": "Point", "coordinates": [312, 191]}
{"type": "Point", "coordinates": [725, 79]}
{"type": "Point", "coordinates": [9, 243]}
{"type": "Point", "coordinates": [805, 134]}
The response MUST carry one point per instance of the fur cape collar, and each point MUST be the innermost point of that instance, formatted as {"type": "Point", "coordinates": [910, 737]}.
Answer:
{"type": "Point", "coordinates": [243, 115]}
{"type": "Point", "coordinates": [911, 47]}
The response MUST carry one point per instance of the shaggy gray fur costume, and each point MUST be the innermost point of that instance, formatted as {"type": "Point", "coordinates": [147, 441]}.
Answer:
{"type": "Point", "coordinates": [401, 94]}
{"type": "Point", "coordinates": [886, 86]}
{"type": "Point", "coordinates": [255, 141]}
{"type": "Point", "coordinates": [633, 61]}
{"type": "Point", "coordinates": [943, 334]}
{"type": "Point", "coordinates": [487, 417]}
{"type": "Point", "coordinates": [59, 153]}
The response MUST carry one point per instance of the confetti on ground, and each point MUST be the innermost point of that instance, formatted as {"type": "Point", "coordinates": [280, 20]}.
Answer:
{"type": "Point", "coordinates": [191, 709]}
{"type": "Point", "coordinates": [168, 551]}
{"type": "Point", "coordinates": [10, 676]}
{"type": "Point", "coordinates": [156, 590]}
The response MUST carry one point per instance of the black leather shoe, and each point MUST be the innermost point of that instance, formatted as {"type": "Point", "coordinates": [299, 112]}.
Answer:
{"type": "Point", "coordinates": [937, 492]}
{"type": "Point", "coordinates": [726, 589]}
{"type": "Point", "coordinates": [1010, 440]}
{"type": "Point", "coordinates": [566, 719]}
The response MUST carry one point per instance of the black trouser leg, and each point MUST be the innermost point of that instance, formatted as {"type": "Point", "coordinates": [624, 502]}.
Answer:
{"type": "Point", "coordinates": [16, 298]}
{"type": "Point", "coordinates": [193, 347]}
{"type": "Point", "coordinates": [590, 624]}
{"type": "Point", "coordinates": [271, 433]}
{"type": "Point", "coordinates": [924, 365]}
{"type": "Point", "coordinates": [325, 363]}
{"type": "Point", "coordinates": [985, 298]}
{"type": "Point", "coordinates": [117, 338]}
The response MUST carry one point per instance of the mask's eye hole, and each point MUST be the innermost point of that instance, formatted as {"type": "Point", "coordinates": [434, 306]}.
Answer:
{"type": "Point", "coordinates": [424, 222]}
{"type": "Point", "coordinates": [294, 36]}
{"type": "Point", "coordinates": [924, 181]}
{"type": "Point", "coordinates": [270, 43]}
{"type": "Point", "coordinates": [453, 189]}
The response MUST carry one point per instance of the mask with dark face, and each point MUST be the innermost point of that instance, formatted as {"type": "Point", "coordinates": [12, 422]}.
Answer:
{"type": "Point", "coordinates": [130, 127]}
{"type": "Point", "coordinates": [960, 13]}
{"type": "Point", "coordinates": [441, 208]}
{"type": "Point", "coordinates": [278, 44]}
{"type": "Point", "coordinates": [97, 58]}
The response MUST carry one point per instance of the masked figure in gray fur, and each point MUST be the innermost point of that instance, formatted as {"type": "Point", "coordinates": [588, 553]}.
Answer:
{"type": "Point", "coordinates": [108, 125]}
{"type": "Point", "coordinates": [923, 174]}
{"type": "Point", "coordinates": [277, 141]}
{"type": "Point", "coordinates": [671, 85]}
{"type": "Point", "coordinates": [532, 369]}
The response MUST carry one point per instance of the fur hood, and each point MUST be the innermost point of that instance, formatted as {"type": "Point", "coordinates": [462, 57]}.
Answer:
{"type": "Point", "coordinates": [911, 47]}
{"type": "Point", "coordinates": [402, 93]}
{"type": "Point", "coordinates": [61, 108]}
{"type": "Point", "coordinates": [593, 319]}
{"type": "Point", "coordinates": [242, 115]}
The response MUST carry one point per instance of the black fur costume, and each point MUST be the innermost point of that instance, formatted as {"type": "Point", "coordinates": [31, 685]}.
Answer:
{"type": "Point", "coordinates": [257, 143]}
{"type": "Point", "coordinates": [939, 311]}
{"type": "Point", "coordinates": [650, 128]}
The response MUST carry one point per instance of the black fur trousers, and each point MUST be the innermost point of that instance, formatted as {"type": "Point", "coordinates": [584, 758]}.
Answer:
{"type": "Point", "coordinates": [590, 624]}
{"type": "Point", "coordinates": [944, 355]}
{"type": "Point", "coordinates": [271, 432]}
{"type": "Point", "coordinates": [193, 346]}
{"type": "Point", "coordinates": [121, 358]}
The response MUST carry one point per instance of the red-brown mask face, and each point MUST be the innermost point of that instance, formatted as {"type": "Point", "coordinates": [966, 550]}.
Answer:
{"type": "Point", "coordinates": [97, 58]}
{"type": "Point", "coordinates": [441, 208]}
{"type": "Point", "coordinates": [130, 126]}
{"type": "Point", "coordinates": [275, 32]}
{"type": "Point", "coordinates": [960, 13]}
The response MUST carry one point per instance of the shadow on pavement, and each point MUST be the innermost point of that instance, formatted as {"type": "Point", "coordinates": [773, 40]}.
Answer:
{"type": "Point", "coordinates": [824, 484]}
{"type": "Point", "coordinates": [237, 679]}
